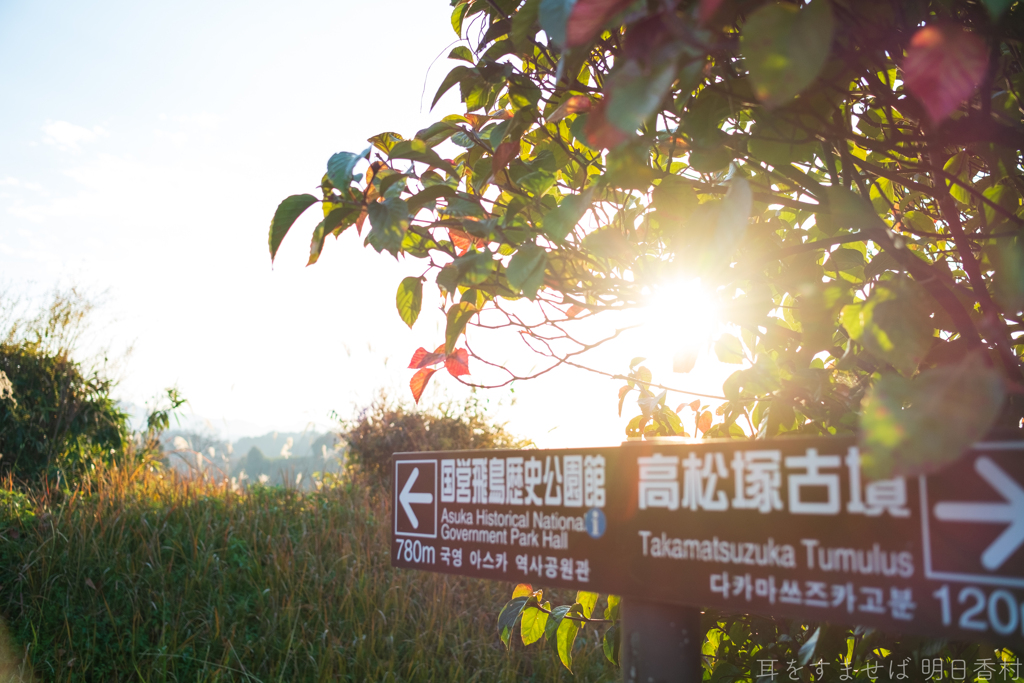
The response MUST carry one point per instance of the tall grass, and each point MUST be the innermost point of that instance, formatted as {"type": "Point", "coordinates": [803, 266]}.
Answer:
{"type": "Point", "coordinates": [156, 577]}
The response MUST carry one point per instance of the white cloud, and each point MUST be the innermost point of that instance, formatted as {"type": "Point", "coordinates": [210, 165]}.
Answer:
{"type": "Point", "coordinates": [69, 137]}
{"type": "Point", "coordinates": [14, 182]}
{"type": "Point", "coordinates": [204, 120]}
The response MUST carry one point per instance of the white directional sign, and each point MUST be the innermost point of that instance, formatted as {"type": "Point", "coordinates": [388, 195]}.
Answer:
{"type": "Point", "coordinates": [782, 527]}
{"type": "Point", "coordinates": [416, 494]}
{"type": "Point", "coordinates": [973, 518]}
{"type": "Point", "coordinates": [407, 498]}
{"type": "Point", "coordinates": [1010, 514]}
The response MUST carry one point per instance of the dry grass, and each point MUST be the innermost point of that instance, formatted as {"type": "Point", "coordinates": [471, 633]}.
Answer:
{"type": "Point", "coordinates": [159, 578]}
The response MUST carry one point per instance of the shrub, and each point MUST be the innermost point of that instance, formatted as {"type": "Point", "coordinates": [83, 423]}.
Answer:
{"type": "Point", "coordinates": [386, 427]}
{"type": "Point", "coordinates": [58, 419]}
{"type": "Point", "coordinates": [55, 415]}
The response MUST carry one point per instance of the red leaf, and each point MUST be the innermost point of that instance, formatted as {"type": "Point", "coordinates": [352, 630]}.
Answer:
{"type": "Point", "coordinates": [572, 105]}
{"type": "Point", "coordinates": [574, 311]}
{"type": "Point", "coordinates": [944, 66]}
{"type": "Point", "coordinates": [683, 361]}
{"type": "Point", "coordinates": [457, 363]}
{"type": "Point", "coordinates": [478, 121]}
{"type": "Point", "coordinates": [588, 17]}
{"type": "Point", "coordinates": [506, 152]}
{"type": "Point", "coordinates": [360, 221]}
{"type": "Point", "coordinates": [423, 358]}
{"type": "Point", "coordinates": [419, 382]}
{"type": "Point", "coordinates": [704, 421]}
{"type": "Point", "coordinates": [622, 397]}
{"type": "Point", "coordinates": [600, 132]}
{"type": "Point", "coordinates": [645, 37]}
{"type": "Point", "coordinates": [461, 240]}
{"type": "Point", "coordinates": [707, 10]}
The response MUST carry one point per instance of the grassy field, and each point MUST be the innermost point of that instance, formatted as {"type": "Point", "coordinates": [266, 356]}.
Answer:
{"type": "Point", "coordinates": [157, 578]}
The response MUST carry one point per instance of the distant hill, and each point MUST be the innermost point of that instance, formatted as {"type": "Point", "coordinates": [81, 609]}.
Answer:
{"type": "Point", "coordinates": [279, 456]}
{"type": "Point", "coordinates": [287, 444]}
{"type": "Point", "coordinates": [291, 471]}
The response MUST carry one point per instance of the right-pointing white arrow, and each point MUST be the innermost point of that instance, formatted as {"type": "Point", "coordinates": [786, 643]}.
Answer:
{"type": "Point", "coordinates": [407, 498]}
{"type": "Point", "coordinates": [1011, 512]}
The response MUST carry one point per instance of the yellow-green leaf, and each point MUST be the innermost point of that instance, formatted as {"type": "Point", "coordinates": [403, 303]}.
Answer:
{"type": "Point", "coordinates": [534, 620]}
{"type": "Point", "coordinates": [586, 601]}
{"type": "Point", "coordinates": [611, 612]}
{"type": "Point", "coordinates": [729, 349]}
{"type": "Point", "coordinates": [566, 636]}
{"type": "Point", "coordinates": [458, 316]}
{"type": "Point", "coordinates": [409, 299]}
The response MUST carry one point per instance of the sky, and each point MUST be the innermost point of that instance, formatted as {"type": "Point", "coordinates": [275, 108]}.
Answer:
{"type": "Point", "coordinates": [143, 150]}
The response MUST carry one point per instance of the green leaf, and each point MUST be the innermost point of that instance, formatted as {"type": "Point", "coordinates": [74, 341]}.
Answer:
{"type": "Point", "coordinates": [526, 269]}
{"type": "Point", "coordinates": [611, 612]}
{"type": "Point", "coordinates": [1009, 278]}
{"type": "Point", "coordinates": [729, 349]}
{"type": "Point", "coordinates": [554, 16]}
{"type": "Point", "coordinates": [557, 224]}
{"type": "Point", "coordinates": [674, 199]}
{"type": "Point", "coordinates": [849, 210]}
{"type": "Point", "coordinates": [634, 93]}
{"type": "Point", "coordinates": [475, 267]}
{"type": "Point", "coordinates": [385, 141]}
{"type": "Point", "coordinates": [959, 166]}
{"type": "Point", "coordinates": [806, 653]}
{"type": "Point", "coordinates": [461, 52]}
{"type": "Point", "coordinates": [429, 194]}
{"type": "Point", "coordinates": [391, 185]}
{"type": "Point", "coordinates": [459, 15]}
{"type": "Point", "coordinates": [453, 77]}
{"type": "Point", "coordinates": [287, 211]}
{"type": "Point", "coordinates": [316, 244]}
{"type": "Point", "coordinates": [417, 150]}
{"type": "Point", "coordinates": [786, 48]}
{"type": "Point", "coordinates": [534, 620]}
{"type": "Point", "coordinates": [912, 427]}
{"type": "Point", "coordinates": [997, 7]}
{"type": "Point", "coordinates": [734, 216]}
{"type": "Point", "coordinates": [566, 636]}
{"type": "Point", "coordinates": [759, 380]}
{"type": "Point", "coordinates": [409, 299]}
{"type": "Point", "coordinates": [610, 644]}
{"type": "Point", "coordinates": [537, 183]}
{"type": "Point", "coordinates": [458, 316]}
{"type": "Point", "coordinates": [586, 600]}
{"type": "Point", "coordinates": [508, 616]}
{"type": "Point", "coordinates": [1003, 196]}
{"type": "Point", "coordinates": [389, 220]}
{"type": "Point", "coordinates": [437, 133]}
{"type": "Point", "coordinates": [523, 23]}
{"type": "Point", "coordinates": [780, 143]}
{"type": "Point", "coordinates": [554, 619]}
{"type": "Point", "coordinates": [341, 165]}
{"type": "Point", "coordinates": [893, 324]}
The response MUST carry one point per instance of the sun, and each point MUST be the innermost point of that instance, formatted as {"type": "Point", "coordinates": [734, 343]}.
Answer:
{"type": "Point", "coordinates": [680, 322]}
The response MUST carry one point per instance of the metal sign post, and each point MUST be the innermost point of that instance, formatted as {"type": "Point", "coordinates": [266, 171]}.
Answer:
{"type": "Point", "coordinates": [787, 527]}
{"type": "Point", "coordinates": [660, 643]}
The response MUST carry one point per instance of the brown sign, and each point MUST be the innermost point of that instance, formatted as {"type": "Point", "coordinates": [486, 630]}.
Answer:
{"type": "Point", "coordinates": [787, 527]}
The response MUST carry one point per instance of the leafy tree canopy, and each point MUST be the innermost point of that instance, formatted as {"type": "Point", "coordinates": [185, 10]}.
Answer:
{"type": "Point", "coordinates": [842, 176]}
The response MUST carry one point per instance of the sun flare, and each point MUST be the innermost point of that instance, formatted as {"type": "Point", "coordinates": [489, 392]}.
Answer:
{"type": "Point", "coordinates": [682, 320]}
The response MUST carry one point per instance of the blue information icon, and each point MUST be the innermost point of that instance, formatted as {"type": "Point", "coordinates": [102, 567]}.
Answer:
{"type": "Point", "coordinates": [595, 522]}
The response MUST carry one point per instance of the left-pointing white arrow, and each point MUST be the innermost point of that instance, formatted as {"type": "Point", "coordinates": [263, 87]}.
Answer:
{"type": "Point", "coordinates": [407, 498]}
{"type": "Point", "coordinates": [1011, 512]}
